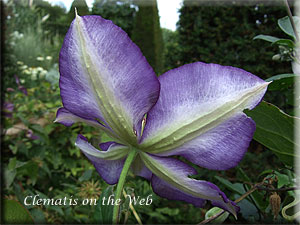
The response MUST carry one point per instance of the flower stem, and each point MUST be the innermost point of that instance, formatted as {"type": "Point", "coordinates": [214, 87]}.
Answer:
{"type": "Point", "coordinates": [121, 182]}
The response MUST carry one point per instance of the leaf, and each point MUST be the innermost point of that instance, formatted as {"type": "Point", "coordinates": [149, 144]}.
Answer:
{"type": "Point", "coordinates": [57, 209]}
{"type": "Point", "coordinates": [9, 176]}
{"type": "Point", "coordinates": [30, 169]}
{"type": "Point", "coordinates": [103, 213]}
{"type": "Point", "coordinates": [238, 188]}
{"type": "Point", "coordinates": [266, 38]}
{"type": "Point", "coordinates": [269, 171]}
{"type": "Point", "coordinates": [285, 25]}
{"type": "Point", "coordinates": [282, 179]}
{"type": "Point", "coordinates": [168, 211]}
{"type": "Point", "coordinates": [158, 216]}
{"type": "Point", "coordinates": [281, 81]}
{"type": "Point", "coordinates": [86, 175]}
{"type": "Point", "coordinates": [215, 210]}
{"type": "Point", "coordinates": [12, 163]}
{"type": "Point", "coordinates": [14, 212]}
{"type": "Point", "coordinates": [275, 130]}
{"type": "Point", "coordinates": [38, 216]}
{"type": "Point", "coordinates": [247, 208]}
{"type": "Point", "coordinates": [285, 42]}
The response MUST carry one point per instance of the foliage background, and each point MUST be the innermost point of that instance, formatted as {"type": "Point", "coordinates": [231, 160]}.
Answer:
{"type": "Point", "coordinates": [39, 157]}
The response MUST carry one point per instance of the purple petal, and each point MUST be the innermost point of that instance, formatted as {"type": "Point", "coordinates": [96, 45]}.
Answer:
{"type": "Point", "coordinates": [23, 89]}
{"type": "Point", "coordinates": [163, 189]}
{"type": "Point", "coordinates": [31, 135]}
{"type": "Point", "coordinates": [66, 118]}
{"type": "Point", "coordinates": [8, 106]}
{"type": "Point", "coordinates": [201, 101]}
{"type": "Point", "coordinates": [17, 79]}
{"type": "Point", "coordinates": [105, 76]}
{"type": "Point", "coordinates": [7, 109]}
{"type": "Point", "coordinates": [10, 89]}
{"type": "Point", "coordinates": [220, 148]}
{"type": "Point", "coordinates": [109, 164]}
{"type": "Point", "coordinates": [104, 146]}
{"type": "Point", "coordinates": [175, 173]}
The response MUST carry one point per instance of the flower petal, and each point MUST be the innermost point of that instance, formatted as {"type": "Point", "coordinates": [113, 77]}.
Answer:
{"type": "Point", "coordinates": [105, 145]}
{"type": "Point", "coordinates": [109, 163]}
{"type": "Point", "coordinates": [220, 148]}
{"type": "Point", "coordinates": [104, 76]}
{"type": "Point", "coordinates": [163, 189]}
{"type": "Point", "coordinates": [196, 98]}
{"type": "Point", "coordinates": [67, 118]}
{"type": "Point", "coordinates": [175, 173]}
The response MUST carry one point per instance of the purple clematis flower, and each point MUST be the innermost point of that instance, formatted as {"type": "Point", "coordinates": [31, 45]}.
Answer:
{"type": "Point", "coordinates": [194, 111]}
{"type": "Point", "coordinates": [8, 109]}
{"type": "Point", "coordinates": [20, 87]}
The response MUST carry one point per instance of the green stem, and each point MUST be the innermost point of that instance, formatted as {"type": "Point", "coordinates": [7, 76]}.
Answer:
{"type": "Point", "coordinates": [127, 164]}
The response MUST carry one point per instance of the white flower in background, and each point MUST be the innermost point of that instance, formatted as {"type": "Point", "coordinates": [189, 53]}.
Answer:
{"type": "Point", "coordinates": [20, 63]}
{"type": "Point", "coordinates": [24, 67]}
{"type": "Point", "coordinates": [34, 71]}
{"type": "Point", "coordinates": [43, 73]}
{"type": "Point", "coordinates": [26, 71]}
{"type": "Point", "coordinates": [17, 35]}
{"type": "Point", "coordinates": [22, 81]}
{"type": "Point", "coordinates": [39, 69]}
{"type": "Point", "coordinates": [40, 58]}
{"type": "Point", "coordinates": [49, 58]}
{"type": "Point", "coordinates": [33, 76]}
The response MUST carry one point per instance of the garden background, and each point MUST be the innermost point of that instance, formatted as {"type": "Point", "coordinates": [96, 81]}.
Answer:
{"type": "Point", "coordinates": [39, 156]}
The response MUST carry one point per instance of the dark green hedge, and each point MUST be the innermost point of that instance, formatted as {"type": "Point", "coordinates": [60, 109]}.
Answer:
{"type": "Point", "coordinates": [147, 34]}
{"type": "Point", "coordinates": [224, 34]}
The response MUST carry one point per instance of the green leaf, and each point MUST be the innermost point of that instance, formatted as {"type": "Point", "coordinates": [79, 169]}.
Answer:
{"type": "Point", "coordinates": [266, 38]}
{"type": "Point", "coordinates": [24, 120]}
{"type": "Point", "coordinates": [215, 210]}
{"type": "Point", "coordinates": [12, 163]}
{"type": "Point", "coordinates": [282, 179]}
{"type": "Point", "coordinates": [158, 216]}
{"type": "Point", "coordinates": [30, 169]}
{"type": "Point", "coordinates": [238, 188]}
{"type": "Point", "coordinates": [286, 42]}
{"type": "Point", "coordinates": [168, 211]}
{"type": "Point", "coordinates": [275, 130]}
{"type": "Point", "coordinates": [103, 213]}
{"type": "Point", "coordinates": [14, 212]}
{"type": "Point", "coordinates": [281, 81]}
{"type": "Point", "coordinates": [247, 208]}
{"type": "Point", "coordinates": [38, 216]}
{"type": "Point", "coordinates": [269, 171]}
{"type": "Point", "coordinates": [285, 25]}
{"type": "Point", "coordinates": [9, 176]}
{"type": "Point", "coordinates": [86, 175]}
